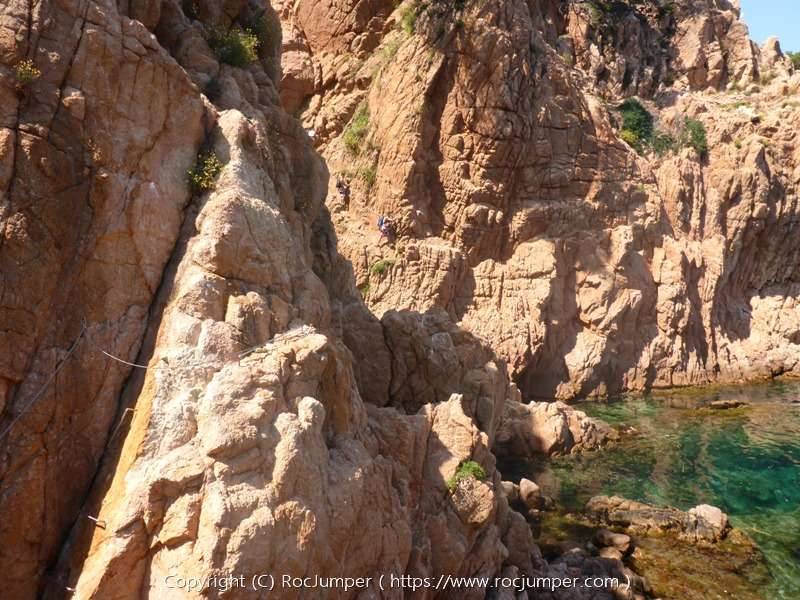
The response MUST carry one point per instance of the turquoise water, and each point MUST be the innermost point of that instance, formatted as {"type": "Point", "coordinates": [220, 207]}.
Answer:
{"type": "Point", "coordinates": [746, 461]}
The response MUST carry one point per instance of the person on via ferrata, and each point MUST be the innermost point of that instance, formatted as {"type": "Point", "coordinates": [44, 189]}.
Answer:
{"type": "Point", "coordinates": [343, 189]}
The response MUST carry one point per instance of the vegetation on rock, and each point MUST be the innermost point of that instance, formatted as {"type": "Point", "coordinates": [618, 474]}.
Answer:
{"type": "Point", "coordinates": [235, 47]}
{"type": "Point", "coordinates": [466, 470]}
{"type": "Point", "coordinates": [368, 174]}
{"type": "Point", "coordinates": [203, 175]}
{"type": "Point", "coordinates": [638, 130]}
{"type": "Point", "coordinates": [380, 267]}
{"type": "Point", "coordinates": [637, 124]}
{"type": "Point", "coordinates": [356, 131]}
{"type": "Point", "coordinates": [27, 72]}
{"type": "Point", "coordinates": [408, 18]}
{"type": "Point", "coordinates": [694, 135]}
{"type": "Point", "coordinates": [257, 24]}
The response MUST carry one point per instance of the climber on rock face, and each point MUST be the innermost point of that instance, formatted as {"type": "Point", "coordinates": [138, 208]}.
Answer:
{"type": "Point", "coordinates": [385, 227]}
{"type": "Point", "coordinates": [343, 188]}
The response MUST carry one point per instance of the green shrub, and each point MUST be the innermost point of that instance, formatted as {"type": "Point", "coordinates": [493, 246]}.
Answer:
{"type": "Point", "coordinates": [662, 143]}
{"type": "Point", "coordinates": [380, 267]}
{"type": "Point", "coordinates": [466, 470]}
{"type": "Point", "coordinates": [629, 137]}
{"type": "Point", "coordinates": [637, 122]}
{"type": "Point", "coordinates": [256, 23]}
{"type": "Point", "coordinates": [355, 133]}
{"type": "Point", "coordinates": [27, 72]}
{"type": "Point", "coordinates": [795, 58]}
{"type": "Point", "coordinates": [408, 18]}
{"type": "Point", "coordinates": [235, 47]}
{"type": "Point", "coordinates": [389, 49]}
{"type": "Point", "coordinates": [694, 135]}
{"type": "Point", "coordinates": [368, 175]}
{"type": "Point", "coordinates": [203, 175]}
{"type": "Point", "coordinates": [364, 289]}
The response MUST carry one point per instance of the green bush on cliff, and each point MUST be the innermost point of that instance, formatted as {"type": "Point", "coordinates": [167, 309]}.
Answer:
{"type": "Point", "coordinates": [694, 135]}
{"type": "Point", "coordinates": [203, 175]}
{"type": "Point", "coordinates": [27, 72]}
{"type": "Point", "coordinates": [380, 267]}
{"type": "Point", "coordinates": [368, 174]}
{"type": "Point", "coordinates": [408, 18]}
{"type": "Point", "coordinates": [662, 143]}
{"type": "Point", "coordinates": [235, 47]}
{"type": "Point", "coordinates": [466, 470]}
{"type": "Point", "coordinates": [795, 58]}
{"type": "Point", "coordinates": [637, 124]}
{"type": "Point", "coordinates": [356, 131]}
{"type": "Point", "coordinates": [265, 29]}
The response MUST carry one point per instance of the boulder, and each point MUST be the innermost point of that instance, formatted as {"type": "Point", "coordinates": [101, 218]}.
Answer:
{"type": "Point", "coordinates": [608, 552]}
{"type": "Point", "coordinates": [549, 428]}
{"type": "Point", "coordinates": [707, 522]}
{"type": "Point", "coordinates": [511, 490]}
{"type": "Point", "coordinates": [604, 538]}
{"type": "Point", "coordinates": [530, 494]}
{"type": "Point", "coordinates": [703, 524]}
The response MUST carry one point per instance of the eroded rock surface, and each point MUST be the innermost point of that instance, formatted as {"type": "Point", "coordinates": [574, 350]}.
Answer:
{"type": "Point", "coordinates": [93, 157]}
{"type": "Point", "coordinates": [191, 383]}
{"type": "Point", "coordinates": [490, 136]}
{"type": "Point", "coordinates": [549, 428]}
{"type": "Point", "coordinates": [269, 461]}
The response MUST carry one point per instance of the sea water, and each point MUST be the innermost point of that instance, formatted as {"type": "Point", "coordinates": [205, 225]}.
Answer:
{"type": "Point", "coordinates": [745, 461]}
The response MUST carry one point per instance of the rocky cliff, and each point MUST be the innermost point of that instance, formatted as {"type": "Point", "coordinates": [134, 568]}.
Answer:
{"type": "Point", "coordinates": [212, 363]}
{"type": "Point", "coordinates": [490, 133]}
{"type": "Point", "coordinates": [183, 342]}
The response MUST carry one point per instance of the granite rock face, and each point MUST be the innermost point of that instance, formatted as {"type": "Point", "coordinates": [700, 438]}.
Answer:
{"type": "Point", "coordinates": [183, 368]}
{"type": "Point", "coordinates": [191, 380]}
{"type": "Point", "coordinates": [251, 450]}
{"type": "Point", "coordinates": [93, 157]}
{"type": "Point", "coordinates": [490, 136]}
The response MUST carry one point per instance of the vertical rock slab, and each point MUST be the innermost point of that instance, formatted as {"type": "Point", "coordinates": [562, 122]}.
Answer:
{"type": "Point", "coordinates": [93, 160]}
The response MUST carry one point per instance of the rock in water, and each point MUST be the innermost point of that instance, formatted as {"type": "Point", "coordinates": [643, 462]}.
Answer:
{"type": "Point", "coordinates": [727, 404]}
{"type": "Point", "coordinates": [604, 538]}
{"type": "Point", "coordinates": [702, 524]}
{"type": "Point", "coordinates": [530, 494]}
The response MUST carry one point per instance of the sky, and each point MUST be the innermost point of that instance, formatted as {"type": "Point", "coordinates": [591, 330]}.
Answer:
{"type": "Point", "coordinates": [766, 18]}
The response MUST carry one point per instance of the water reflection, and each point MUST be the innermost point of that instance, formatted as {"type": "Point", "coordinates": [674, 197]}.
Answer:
{"type": "Point", "coordinates": [744, 460]}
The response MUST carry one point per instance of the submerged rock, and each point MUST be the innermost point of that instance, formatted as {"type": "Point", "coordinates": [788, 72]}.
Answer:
{"type": "Point", "coordinates": [701, 524]}
{"type": "Point", "coordinates": [727, 404]}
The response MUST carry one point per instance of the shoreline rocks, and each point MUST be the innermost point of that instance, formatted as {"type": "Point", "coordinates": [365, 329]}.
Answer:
{"type": "Point", "coordinates": [703, 524]}
{"type": "Point", "coordinates": [549, 428]}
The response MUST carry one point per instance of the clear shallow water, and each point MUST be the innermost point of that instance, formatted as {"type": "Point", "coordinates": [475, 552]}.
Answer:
{"type": "Point", "coordinates": [746, 461]}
